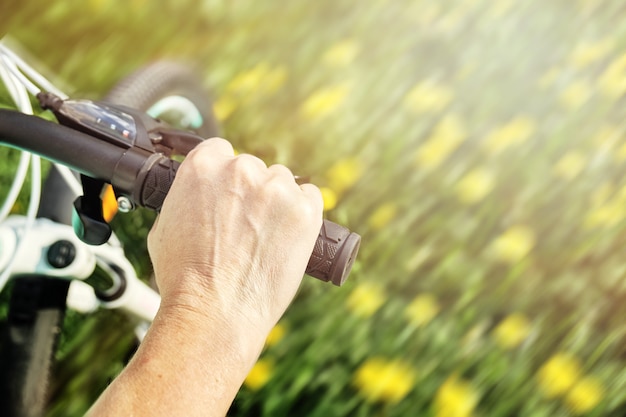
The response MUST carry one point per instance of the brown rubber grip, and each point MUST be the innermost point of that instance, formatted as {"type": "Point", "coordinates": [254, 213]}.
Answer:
{"type": "Point", "coordinates": [157, 183]}
{"type": "Point", "coordinates": [335, 249]}
{"type": "Point", "coordinates": [334, 253]}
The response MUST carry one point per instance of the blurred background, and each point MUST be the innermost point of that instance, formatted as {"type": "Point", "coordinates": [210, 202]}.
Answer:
{"type": "Point", "coordinates": [478, 148]}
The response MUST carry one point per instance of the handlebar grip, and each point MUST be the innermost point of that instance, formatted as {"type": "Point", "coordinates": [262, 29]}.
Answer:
{"type": "Point", "coordinates": [335, 249]}
{"type": "Point", "coordinates": [334, 253]}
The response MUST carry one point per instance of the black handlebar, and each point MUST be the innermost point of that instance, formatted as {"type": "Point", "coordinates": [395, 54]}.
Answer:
{"type": "Point", "coordinates": [138, 166]}
{"type": "Point", "coordinates": [90, 156]}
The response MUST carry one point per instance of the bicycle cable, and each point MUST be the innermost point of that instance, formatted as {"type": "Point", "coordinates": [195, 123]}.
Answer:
{"type": "Point", "coordinates": [20, 97]}
{"type": "Point", "coordinates": [16, 76]}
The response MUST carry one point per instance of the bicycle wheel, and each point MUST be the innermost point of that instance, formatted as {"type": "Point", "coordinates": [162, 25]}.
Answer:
{"type": "Point", "coordinates": [171, 92]}
{"type": "Point", "coordinates": [29, 339]}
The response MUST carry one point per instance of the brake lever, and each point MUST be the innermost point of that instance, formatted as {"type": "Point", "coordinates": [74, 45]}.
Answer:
{"type": "Point", "coordinates": [172, 142]}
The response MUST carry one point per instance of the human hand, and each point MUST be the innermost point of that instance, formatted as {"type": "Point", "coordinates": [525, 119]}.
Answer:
{"type": "Point", "coordinates": [234, 237]}
{"type": "Point", "coordinates": [229, 250]}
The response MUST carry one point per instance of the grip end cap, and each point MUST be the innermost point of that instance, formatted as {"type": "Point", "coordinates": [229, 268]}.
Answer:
{"type": "Point", "coordinates": [345, 259]}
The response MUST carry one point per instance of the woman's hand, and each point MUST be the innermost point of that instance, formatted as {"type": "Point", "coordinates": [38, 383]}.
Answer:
{"type": "Point", "coordinates": [234, 236]}
{"type": "Point", "coordinates": [229, 250]}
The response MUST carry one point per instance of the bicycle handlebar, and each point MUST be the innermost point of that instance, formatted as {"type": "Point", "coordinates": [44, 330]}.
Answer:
{"type": "Point", "coordinates": [135, 160]}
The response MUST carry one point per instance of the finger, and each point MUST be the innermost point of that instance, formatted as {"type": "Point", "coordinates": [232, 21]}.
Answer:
{"type": "Point", "coordinates": [251, 161]}
{"type": "Point", "coordinates": [281, 171]}
{"type": "Point", "coordinates": [215, 146]}
{"type": "Point", "coordinates": [314, 195]}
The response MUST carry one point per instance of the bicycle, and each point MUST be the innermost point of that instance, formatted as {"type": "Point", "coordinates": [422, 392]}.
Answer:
{"type": "Point", "coordinates": [132, 141]}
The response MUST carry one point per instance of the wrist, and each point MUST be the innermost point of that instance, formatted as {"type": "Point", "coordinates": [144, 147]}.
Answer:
{"type": "Point", "coordinates": [181, 321]}
{"type": "Point", "coordinates": [188, 364]}
{"type": "Point", "coordinates": [196, 300]}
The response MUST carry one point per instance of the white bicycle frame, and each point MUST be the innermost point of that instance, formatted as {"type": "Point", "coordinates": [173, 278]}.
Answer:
{"type": "Point", "coordinates": [25, 241]}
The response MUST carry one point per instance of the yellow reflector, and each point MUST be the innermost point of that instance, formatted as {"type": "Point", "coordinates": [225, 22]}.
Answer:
{"type": "Point", "coordinates": [109, 203]}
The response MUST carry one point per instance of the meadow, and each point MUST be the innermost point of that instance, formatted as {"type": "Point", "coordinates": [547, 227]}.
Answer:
{"type": "Point", "coordinates": [478, 148]}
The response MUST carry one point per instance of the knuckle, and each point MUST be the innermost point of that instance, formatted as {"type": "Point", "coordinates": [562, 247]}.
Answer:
{"type": "Point", "coordinates": [246, 166]}
{"type": "Point", "coordinates": [246, 160]}
{"type": "Point", "coordinates": [211, 147]}
{"type": "Point", "coordinates": [194, 162]}
{"type": "Point", "coordinates": [212, 142]}
{"type": "Point", "coordinates": [281, 170]}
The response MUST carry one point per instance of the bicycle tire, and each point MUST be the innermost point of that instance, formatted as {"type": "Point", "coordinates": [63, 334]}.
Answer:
{"type": "Point", "coordinates": [36, 313]}
{"type": "Point", "coordinates": [152, 83]}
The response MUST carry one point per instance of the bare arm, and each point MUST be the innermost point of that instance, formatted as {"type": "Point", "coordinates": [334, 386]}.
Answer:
{"type": "Point", "coordinates": [229, 250]}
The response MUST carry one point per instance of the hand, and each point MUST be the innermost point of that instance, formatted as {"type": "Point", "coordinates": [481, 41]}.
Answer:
{"type": "Point", "coordinates": [234, 236]}
{"type": "Point", "coordinates": [229, 250]}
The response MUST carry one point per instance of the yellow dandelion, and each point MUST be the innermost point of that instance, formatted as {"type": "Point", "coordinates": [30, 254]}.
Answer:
{"type": "Point", "coordinates": [585, 395]}
{"type": "Point", "coordinates": [576, 94]}
{"type": "Point", "coordinates": [431, 154]}
{"type": "Point", "coordinates": [260, 373]}
{"type": "Point", "coordinates": [570, 165]}
{"type": "Point", "coordinates": [260, 80]}
{"type": "Point", "coordinates": [329, 197]}
{"type": "Point", "coordinates": [274, 79]}
{"type": "Point", "coordinates": [99, 5]}
{"type": "Point", "coordinates": [513, 133]}
{"type": "Point", "coordinates": [445, 139]}
{"type": "Point", "coordinates": [224, 106]}
{"type": "Point", "coordinates": [382, 216]}
{"type": "Point", "coordinates": [455, 398]}
{"type": "Point", "coordinates": [558, 375]}
{"type": "Point", "coordinates": [512, 331]}
{"type": "Point", "coordinates": [428, 97]}
{"type": "Point", "coordinates": [341, 54]}
{"type": "Point", "coordinates": [588, 53]}
{"type": "Point", "coordinates": [422, 309]}
{"type": "Point", "coordinates": [366, 299]}
{"type": "Point", "coordinates": [607, 215]}
{"type": "Point", "coordinates": [514, 244]}
{"type": "Point", "coordinates": [613, 81]}
{"type": "Point", "coordinates": [475, 185]}
{"type": "Point", "coordinates": [344, 174]}
{"type": "Point", "coordinates": [249, 80]}
{"type": "Point", "coordinates": [382, 380]}
{"type": "Point", "coordinates": [276, 335]}
{"type": "Point", "coordinates": [324, 101]}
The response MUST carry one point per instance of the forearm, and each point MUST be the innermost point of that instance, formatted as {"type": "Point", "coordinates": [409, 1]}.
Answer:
{"type": "Point", "coordinates": [188, 365]}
